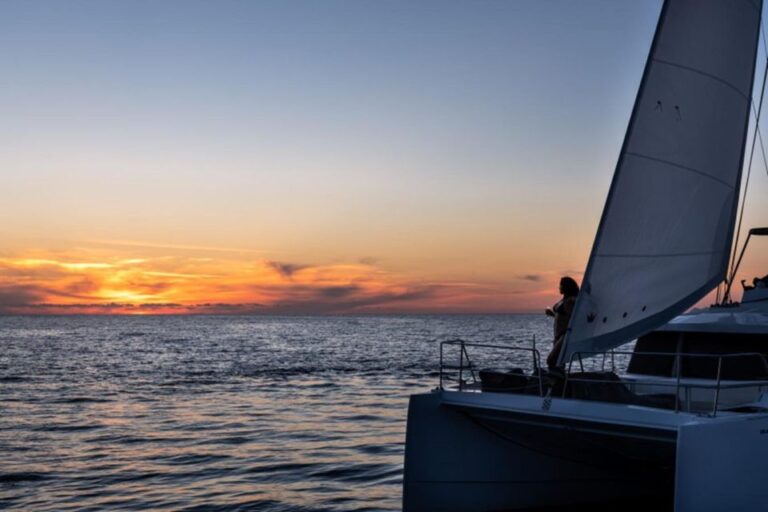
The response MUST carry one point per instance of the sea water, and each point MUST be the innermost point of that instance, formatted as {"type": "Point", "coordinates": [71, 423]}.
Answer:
{"type": "Point", "coordinates": [221, 413]}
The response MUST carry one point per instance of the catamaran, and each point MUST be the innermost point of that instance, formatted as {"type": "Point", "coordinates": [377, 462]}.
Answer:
{"type": "Point", "coordinates": [680, 418]}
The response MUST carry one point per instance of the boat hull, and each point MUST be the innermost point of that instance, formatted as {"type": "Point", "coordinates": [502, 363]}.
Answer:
{"type": "Point", "coordinates": [464, 458]}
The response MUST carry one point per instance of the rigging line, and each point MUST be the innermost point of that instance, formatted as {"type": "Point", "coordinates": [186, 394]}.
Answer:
{"type": "Point", "coordinates": [765, 167]}
{"type": "Point", "coordinates": [762, 150]}
{"type": "Point", "coordinates": [755, 136]}
{"type": "Point", "coordinates": [757, 125]}
{"type": "Point", "coordinates": [731, 276]}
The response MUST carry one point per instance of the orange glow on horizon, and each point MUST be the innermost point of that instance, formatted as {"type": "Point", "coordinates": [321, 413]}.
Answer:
{"type": "Point", "coordinates": [101, 281]}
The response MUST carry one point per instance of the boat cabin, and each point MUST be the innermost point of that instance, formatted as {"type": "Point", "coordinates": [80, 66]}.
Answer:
{"type": "Point", "coordinates": [709, 360]}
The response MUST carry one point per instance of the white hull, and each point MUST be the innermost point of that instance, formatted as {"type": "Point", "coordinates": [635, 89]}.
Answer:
{"type": "Point", "coordinates": [459, 460]}
{"type": "Point", "coordinates": [471, 452]}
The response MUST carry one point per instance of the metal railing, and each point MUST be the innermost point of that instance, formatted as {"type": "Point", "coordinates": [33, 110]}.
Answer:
{"type": "Point", "coordinates": [463, 366]}
{"type": "Point", "coordinates": [683, 387]}
{"type": "Point", "coordinates": [686, 387]}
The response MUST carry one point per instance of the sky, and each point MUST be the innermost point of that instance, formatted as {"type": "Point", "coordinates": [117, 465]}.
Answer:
{"type": "Point", "coordinates": [312, 157]}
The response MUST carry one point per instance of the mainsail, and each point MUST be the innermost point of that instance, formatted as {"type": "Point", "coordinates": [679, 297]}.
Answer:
{"type": "Point", "coordinates": [667, 226]}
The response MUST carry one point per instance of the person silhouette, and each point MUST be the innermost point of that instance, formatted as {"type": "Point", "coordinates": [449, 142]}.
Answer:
{"type": "Point", "coordinates": [561, 312]}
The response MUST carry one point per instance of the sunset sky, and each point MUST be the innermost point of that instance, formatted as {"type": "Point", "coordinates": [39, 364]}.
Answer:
{"type": "Point", "coordinates": [312, 157]}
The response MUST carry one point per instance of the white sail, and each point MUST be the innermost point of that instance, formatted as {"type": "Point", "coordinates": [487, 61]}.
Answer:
{"type": "Point", "coordinates": [664, 237]}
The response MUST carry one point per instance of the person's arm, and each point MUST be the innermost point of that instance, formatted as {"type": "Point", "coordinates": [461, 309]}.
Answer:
{"type": "Point", "coordinates": [549, 312]}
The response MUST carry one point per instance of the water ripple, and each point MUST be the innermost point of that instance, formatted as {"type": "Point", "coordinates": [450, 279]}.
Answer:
{"type": "Point", "coordinates": [299, 414]}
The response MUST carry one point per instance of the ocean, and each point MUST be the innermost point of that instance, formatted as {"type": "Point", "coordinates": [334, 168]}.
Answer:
{"type": "Point", "coordinates": [203, 413]}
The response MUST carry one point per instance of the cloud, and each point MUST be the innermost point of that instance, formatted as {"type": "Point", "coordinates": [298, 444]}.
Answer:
{"type": "Point", "coordinates": [147, 287]}
{"type": "Point", "coordinates": [120, 306]}
{"type": "Point", "coordinates": [161, 305]}
{"type": "Point", "coordinates": [335, 292]}
{"type": "Point", "coordinates": [193, 248]}
{"type": "Point", "coordinates": [219, 308]}
{"type": "Point", "coordinates": [302, 299]}
{"type": "Point", "coordinates": [129, 308]}
{"type": "Point", "coordinates": [98, 283]}
{"type": "Point", "coordinates": [19, 295]}
{"type": "Point", "coordinates": [285, 269]}
{"type": "Point", "coordinates": [12, 270]}
{"type": "Point", "coordinates": [81, 287]}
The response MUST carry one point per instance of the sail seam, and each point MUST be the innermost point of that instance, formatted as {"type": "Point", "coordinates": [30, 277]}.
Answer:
{"type": "Point", "coordinates": [704, 73]}
{"type": "Point", "coordinates": [690, 169]}
{"type": "Point", "coordinates": [668, 255]}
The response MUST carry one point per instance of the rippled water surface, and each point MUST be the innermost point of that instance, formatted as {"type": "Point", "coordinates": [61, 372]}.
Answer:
{"type": "Point", "coordinates": [218, 413]}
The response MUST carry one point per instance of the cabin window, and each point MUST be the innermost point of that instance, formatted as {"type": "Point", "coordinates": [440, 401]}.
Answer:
{"type": "Point", "coordinates": [656, 342]}
{"type": "Point", "coordinates": [738, 368]}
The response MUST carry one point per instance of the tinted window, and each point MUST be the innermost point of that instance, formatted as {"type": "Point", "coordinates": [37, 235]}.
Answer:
{"type": "Point", "coordinates": [660, 365]}
{"type": "Point", "coordinates": [733, 368]}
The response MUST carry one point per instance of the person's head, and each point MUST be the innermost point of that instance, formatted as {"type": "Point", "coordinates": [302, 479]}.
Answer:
{"type": "Point", "coordinates": [568, 287]}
